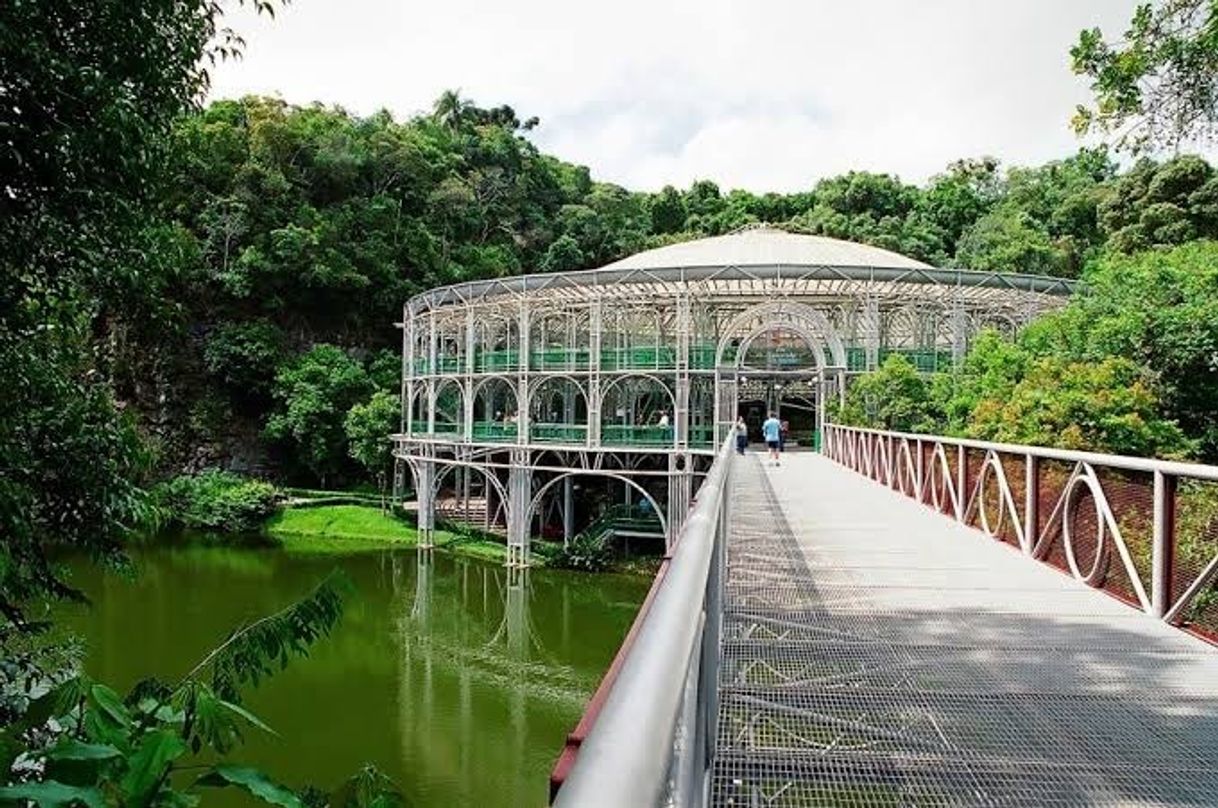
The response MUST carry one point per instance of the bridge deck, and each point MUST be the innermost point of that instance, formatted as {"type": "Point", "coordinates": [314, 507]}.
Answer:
{"type": "Point", "coordinates": [877, 653]}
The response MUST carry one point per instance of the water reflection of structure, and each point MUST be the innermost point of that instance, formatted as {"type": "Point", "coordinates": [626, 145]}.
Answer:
{"type": "Point", "coordinates": [477, 655]}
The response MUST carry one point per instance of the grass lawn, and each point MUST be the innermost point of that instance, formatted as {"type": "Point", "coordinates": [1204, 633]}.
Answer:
{"type": "Point", "coordinates": [355, 528]}
{"type": "Point", "coordinates": [340, 522]}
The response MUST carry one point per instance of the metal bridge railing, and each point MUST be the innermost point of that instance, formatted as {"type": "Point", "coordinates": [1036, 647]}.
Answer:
{"type": "Point", "coordinates": [652, 739]}
{"type": "Point", "coordinates": [1142, 530]}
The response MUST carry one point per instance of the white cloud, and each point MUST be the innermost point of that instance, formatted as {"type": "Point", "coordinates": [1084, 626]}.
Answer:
{"type": "Point", "coordinates": [762, 95]}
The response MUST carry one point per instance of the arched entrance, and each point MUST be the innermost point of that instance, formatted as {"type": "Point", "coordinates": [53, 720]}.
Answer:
{"type": "Point", "coordinates": [784, 358]}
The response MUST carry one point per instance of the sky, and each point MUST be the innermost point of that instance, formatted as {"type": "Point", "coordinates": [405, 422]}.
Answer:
{"type": "Point", "coordinates": [767, 95]}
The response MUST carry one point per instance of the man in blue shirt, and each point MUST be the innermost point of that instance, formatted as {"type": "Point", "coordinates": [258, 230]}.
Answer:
{"type": "Point", "coordinates": [772, 431]}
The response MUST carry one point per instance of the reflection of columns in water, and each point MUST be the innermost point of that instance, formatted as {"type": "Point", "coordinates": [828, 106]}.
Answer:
{"type": "Point", "coordinates": [516, 613]}
{"type": "Point", "coordinates": [519, 638]}
{"type": "Point", "coordinates": [420, 612]}
{"type": "Point", "coordinates": [566, 620]}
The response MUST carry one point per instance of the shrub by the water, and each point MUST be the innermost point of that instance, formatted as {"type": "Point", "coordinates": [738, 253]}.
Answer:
{"type": "Point", "coordinates": [586, 553]}
{"type": "Point", "coordinates": [217, 500]}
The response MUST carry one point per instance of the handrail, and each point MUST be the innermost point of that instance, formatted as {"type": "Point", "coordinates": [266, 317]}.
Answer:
{"type": "Point", "coordinates": [1176, 468]}
{"type": "Point", "coordinates": [1142, 530]}
{"type": "Point", "coordinates": [653, 739]}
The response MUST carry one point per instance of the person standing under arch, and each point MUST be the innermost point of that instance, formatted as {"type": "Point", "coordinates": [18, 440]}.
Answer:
{"type": "Point", "coordinates": [771, 430]}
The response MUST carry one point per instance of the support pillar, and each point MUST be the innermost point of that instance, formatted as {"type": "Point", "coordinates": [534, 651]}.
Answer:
{"type": "Point", "coordinates": [871, 332]}
{"type": "Point", "coordinates": [520, 492]}
{"type": "Point", "coordinates": [680, 493]}
{"type": "Point", "coordinates": [959, 323]}
{"type": "Point", "coordinates": [680, 415]}
{"type": "Point", "coordinates": [568, 511]}
{"type": "Point", "coordinates": [595, 320]}
{"type": "Point", "coordinates": [426, 496]}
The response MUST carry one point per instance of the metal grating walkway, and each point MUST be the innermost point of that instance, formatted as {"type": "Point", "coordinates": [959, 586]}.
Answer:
{"type": "Point", "coordinates": [878, 654]}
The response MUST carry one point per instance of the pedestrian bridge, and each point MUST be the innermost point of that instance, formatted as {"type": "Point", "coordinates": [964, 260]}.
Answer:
{"type": "Point", "coordinates": [915, 621]}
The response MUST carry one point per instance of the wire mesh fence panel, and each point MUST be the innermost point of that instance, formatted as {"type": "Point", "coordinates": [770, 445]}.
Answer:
{"type": "Point", "coordinates": [1195, 557]}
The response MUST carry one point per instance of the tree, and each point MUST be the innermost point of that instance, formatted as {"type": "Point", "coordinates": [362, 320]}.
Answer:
{"type": "Point", "coordinates": [451, 110]}
{"type": "Point", "coordinates": [1009, 240]}
{"type": "Point", "coordinates": [894, 396]}
{"type": "Point", "coordinates": [562, 255]}
{"type": "Point", "coordinates": [244, 356]}
{"type": "Point", "coordinates": [1158, 87]}
{"type": "Point", "coordinates": [667, 210]}
{"type": "Point", "coordinates": [87, 120]}
{"type": "Point", "coordinates": [368, 427]}
{"type": "Point", "coordinates": [1161, 204]}
{"type": "Point", "coordinates": [1105, 406]}
{"type": "Point", "coordinates": [313, 395]}
{"type": "Point", "coordinates": [1160, 310]}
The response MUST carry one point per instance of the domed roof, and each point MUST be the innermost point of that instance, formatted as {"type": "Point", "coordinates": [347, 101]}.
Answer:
{"type": "Point", "coordinates": [767, 246]}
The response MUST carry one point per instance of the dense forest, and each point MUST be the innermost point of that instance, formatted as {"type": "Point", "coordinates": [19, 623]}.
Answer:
{"type": "Point", "coordinates": [187, 286]}
{"type": "Point", "coordinates": [290, 236]}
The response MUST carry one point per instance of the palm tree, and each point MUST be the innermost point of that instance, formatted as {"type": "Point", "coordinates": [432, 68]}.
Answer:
{"type": "Point", "coordinates": [451, 110]}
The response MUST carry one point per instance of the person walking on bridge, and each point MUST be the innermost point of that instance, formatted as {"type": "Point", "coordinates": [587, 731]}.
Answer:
{"type": "Point", "coordinates": [772, 431]}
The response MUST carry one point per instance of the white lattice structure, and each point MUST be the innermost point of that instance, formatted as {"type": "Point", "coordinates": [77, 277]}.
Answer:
{"type": "Point", "coordinates": [513, 388]}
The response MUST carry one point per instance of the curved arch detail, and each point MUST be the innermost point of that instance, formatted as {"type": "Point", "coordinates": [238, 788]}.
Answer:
{"type": "Point", "coordinates": [672, 396]}
{"type": "Point", "coordinates": [784, 314]}
{"type": "Point", "coordinates": [655, 506]}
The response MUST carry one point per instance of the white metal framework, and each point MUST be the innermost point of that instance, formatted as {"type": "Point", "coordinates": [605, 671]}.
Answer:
{"type": "Point", "coordinates": [515, 390]}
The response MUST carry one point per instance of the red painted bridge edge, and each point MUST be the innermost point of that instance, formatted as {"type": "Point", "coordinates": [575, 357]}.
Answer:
{"type": "Point", "coordinates": [570, 751]}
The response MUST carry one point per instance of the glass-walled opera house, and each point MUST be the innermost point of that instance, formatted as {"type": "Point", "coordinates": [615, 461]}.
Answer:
{"type": "Point", "coordinates": [589, 402]}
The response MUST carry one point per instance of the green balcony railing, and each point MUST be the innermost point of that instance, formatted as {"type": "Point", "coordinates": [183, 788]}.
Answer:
{"type": "Point", "coordinates": [560, 359]}
{"type": "Point", "coordinates": [623, 435]}
{"type": "Point", "coordinates": [558, 433]}
{"type": "Point", "coordinates": [496, 361]}
{"type": "Point", "coordinates": [650, 356]}
{"type": "Point", "coordinates": [618, 518]}
{"type": "Point", "coordinates": [702, 357]}
{"type": "Point", "coordinates": [494, 430]}
{"type": "Point", "coordinates": [925, 360]}
{"type": "Point", "coordinates": [701, 436]}
{"type": "Point", "coordinates": [446, 428]}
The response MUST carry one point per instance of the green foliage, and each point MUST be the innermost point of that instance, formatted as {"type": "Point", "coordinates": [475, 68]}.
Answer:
{"type": "Point", "coordinates": [1161, 204]}
{"type": "Point", "coordinates": [1158, 86]}
{"type": "Point", "coordinates": [1160, 310]}
{"type": "Point", "coordinates": [243, 357]}
{"type": "Point", "coordinates": [256, 651]}
{"type": "Point", "coordinates": [86, 137]}
{"type": "Point", "coordinates": [1106, 406]}
{"type": "Point", "coordinates": [368, 427]}
{"type": "Point", "coordinates": [94, 747]}
{"type": "Point", "coordinates": [991, 369]}
{"type": "Point", "coordinates": [588, 553]}
{"type": "Point", "coordinates": [368, 788]}
{"type": "Point", "coordinates": [313, 395]}
{"type": "Point", "coordinates": [291, 227]}
{"type": "Point", "coordinates": [1016, 392]}
{"type": "Point", "coordinates": [217, 500]}
{"type": "Point", "coordinates": [895, 396]}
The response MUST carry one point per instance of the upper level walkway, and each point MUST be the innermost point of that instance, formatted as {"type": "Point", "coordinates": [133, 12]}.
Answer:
{"type": "Point", "coordinates": [820, 638]}
{"type": "Point", "coordinates": [875, 652]}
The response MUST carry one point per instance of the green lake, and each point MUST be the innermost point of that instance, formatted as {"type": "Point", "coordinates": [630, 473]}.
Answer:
{"type": "Point", "coordinates": [456, 677]}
